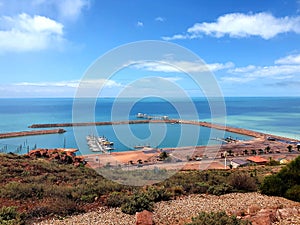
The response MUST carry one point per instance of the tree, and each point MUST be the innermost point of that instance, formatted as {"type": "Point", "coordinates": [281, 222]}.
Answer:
{"type": "Point", "coordinates": [290, 148]}
{"type": "Point", "coordinates": [253, 152]}
{"type": "Point", "coordinates": [230, 152]}
{"type": "Point", "coordinates": [246, 152]}
{"type": "Point", "coordinates": [298, 147]}
{"type": "Point", "coordinates": [268, 149]}
{"type": "Point", "coordinates": [163, 155]}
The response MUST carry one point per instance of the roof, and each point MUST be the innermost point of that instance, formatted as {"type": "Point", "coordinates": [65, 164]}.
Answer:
{"type": "Point", "coordinates": [240, 161]}
{"type": "Point", "coordinates": [257, 159]}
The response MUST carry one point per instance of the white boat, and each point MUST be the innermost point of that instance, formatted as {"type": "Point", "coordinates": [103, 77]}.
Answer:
{"type": "Point", "coordinates": [99, 144]}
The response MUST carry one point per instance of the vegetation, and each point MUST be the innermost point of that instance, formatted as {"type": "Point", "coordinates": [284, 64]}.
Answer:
{"type": "Point", "coordinates": [49, 188]}
{"type": "Point", "coordinates": [285, 183]}
{"type": "Point", "coordinates": [10, 216]}
{"type": "Point", "coordinates": [217, 218]}
{"type": "Point", "coordinates": [137, 203]}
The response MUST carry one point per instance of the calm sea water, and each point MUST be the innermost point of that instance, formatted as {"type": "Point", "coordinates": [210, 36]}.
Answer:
{"type": "Point", "coordinates": [279, 116]}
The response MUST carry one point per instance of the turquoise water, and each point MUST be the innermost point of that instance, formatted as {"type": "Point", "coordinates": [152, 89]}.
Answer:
{"type": "Point", "coordinates": [272, 115]}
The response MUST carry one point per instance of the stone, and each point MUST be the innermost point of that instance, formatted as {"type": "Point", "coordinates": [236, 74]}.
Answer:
{"type": "Point", "coordinates": [264, 217]}
{"type": "Point", "coordinates": [144, 218]}
{"type": "Point", "coordinates": [282, 214]}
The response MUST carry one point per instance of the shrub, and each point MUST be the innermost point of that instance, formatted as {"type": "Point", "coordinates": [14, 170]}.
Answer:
{"type": "Point", "coordinates": [137, 203]}
{"type": "Point", "coordinates": [242, 181]}
{"type": "Point", "coordinates": [10, 216]}
{"type": "Point", "coordinates": [216, 218]}
{"type": "Point", "coordinates": [200, 188]}
{"type": "Point", "coordinates": [219, 189]}
{"type": "Point", "coordinates": [54, 206]}
{"type": "Point", "coordinates": [177, 190]}
{"type": "Point", "coordinates": [273, 162]}
{"type": "Point", "coordinates": [293, 193]}
{"type": "Point", "coordinates": [17, 190]}
{"type": "Point", "coordinates": [116, 199]}
{"type": "Point", "coordinates": [272, 185]}
{"type": "Point", "coordinates": [158, 194]}
{"type": "Point", "coordinates": [285, 183]}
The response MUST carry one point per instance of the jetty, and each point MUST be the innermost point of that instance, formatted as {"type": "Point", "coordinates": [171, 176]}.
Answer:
{"type": "Point", "coordinates": [48, 125]}
{"type": "Point", "coordinates": [236, 130]}
{"type": "Point", "coordinates": [30, 133]}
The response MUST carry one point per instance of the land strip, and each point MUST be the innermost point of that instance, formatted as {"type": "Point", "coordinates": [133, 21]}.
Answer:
{"type": "Point", "coordinates": [30, 133]}
{"type": "Point", "coordinates": [172, 121]}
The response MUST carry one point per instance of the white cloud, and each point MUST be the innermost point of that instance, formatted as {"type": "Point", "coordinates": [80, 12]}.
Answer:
{"type": "Point", "coordinates": [65, 9]}
{"type": "Point", "coordinates": [59, 88]}
{"type": "Point", "coordinates": [94, 83]}
{"type": "Point", "coordinates": [239, 25]}
{"type": "Point", "coordinates": [290, 59]}
{"type": "Point", "coordinates": [160, 19]}
{"type": "Point", "coordinates": [250, 73]}
{"type": "Point", "coordinates": [72, 84]}
{"type": "Point", "coordinates": [180, 66]}
{"type": "Point", "coordinates": [176, 37]}
{"type": "Point", "coordinates": [71, 9]}
{"type": "Point", "coordinates": [29, 33]}
{"type": "Point", "coordinates": [139, 24]}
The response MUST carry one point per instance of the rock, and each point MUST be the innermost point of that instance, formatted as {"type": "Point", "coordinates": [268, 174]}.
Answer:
{"type": "Point", "coordinates": [264, 217]}
{"type": "Point", "coordinates": [286, 213]}
{"type": "Point", "coordinates": [253, 209]}
{"type": "Point", "coordinates": [144, 218]}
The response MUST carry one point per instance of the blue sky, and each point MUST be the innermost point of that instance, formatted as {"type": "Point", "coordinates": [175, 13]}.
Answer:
{"type": "Point", "coordinates": [252, 47]}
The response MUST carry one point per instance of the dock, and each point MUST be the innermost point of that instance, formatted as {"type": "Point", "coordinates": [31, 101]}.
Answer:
{"type": "Point", "coordinates": [236, 130]}
{"type": "Point", "coordinates": [30, 133]}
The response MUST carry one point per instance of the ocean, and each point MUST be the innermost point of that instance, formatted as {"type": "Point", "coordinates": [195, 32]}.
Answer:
{"type": "Point", "coordinates": [274, 115]}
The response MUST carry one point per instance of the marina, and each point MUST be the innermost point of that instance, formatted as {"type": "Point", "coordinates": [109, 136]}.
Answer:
{"type": "Point", "coordinates": [99, 144]}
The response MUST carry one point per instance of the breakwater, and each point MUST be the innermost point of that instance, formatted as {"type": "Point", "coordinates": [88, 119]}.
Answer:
{"type": "Point", "coordinates": [48, 125]}
{"type": "Point", "coordinates": [30, 133]}
{"type": "Point", "coordinates": [172, 121]}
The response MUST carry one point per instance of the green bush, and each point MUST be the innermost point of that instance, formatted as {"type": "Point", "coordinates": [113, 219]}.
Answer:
{"type": "Point", "coordinates": [273, 185]}
{"type": "Point", "coordinates": [17, 190]}
{"type": "Point", "coordinates": [157, 194]}
{"type": "Point", "coordinates": [10, 216]}
{"type": "Point", "coordinates": [220, 189]}
{"type": "Point", "coordinates": [116, 199]}
{"type": "Point", "coordinates": [242, 182]}
{"type": "Point", "coordinates": [216, 218]}
{"type": "Point", "coordinates": [137, 203]}
{"type": "Point", "coordinates": [293, 193]}
{"type": "Point", "coordinates": [200, 188]}
{"type": "Point", "coordinates": [285, 183]}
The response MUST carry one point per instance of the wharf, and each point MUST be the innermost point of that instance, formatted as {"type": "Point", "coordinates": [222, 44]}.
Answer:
{"type": "Point", "coordinates": [172, 121]}
{"type": "Point", "coordinates": [30, 133]}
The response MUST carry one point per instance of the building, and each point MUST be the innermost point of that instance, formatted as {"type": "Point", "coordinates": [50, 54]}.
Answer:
{"type": "Point", "coordinates": [257, 160]}
{"type": "Point", "coordinates": [238, 163]}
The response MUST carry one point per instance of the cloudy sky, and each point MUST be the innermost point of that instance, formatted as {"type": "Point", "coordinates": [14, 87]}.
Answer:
{"type": "Point", "coordinates": [251, 47]}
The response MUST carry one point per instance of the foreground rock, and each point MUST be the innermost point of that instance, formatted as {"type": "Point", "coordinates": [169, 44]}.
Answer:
{"type": "Point", "coordinates": [252, 206]}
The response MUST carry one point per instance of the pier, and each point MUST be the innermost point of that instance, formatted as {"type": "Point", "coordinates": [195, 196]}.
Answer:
{"type": "Point", "coordinates": [171, 121]}
{"type": "Point", "coordinates": [30, 133]}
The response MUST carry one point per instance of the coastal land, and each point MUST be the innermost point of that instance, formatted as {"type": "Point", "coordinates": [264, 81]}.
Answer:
{"type": "Point", "coordinates": [203, 174]}
{"type": "Point", "coordinates": [191, 157]}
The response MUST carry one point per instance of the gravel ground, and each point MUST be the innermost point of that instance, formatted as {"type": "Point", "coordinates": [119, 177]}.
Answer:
{"type": "Point", "coordinates": [179, 211]}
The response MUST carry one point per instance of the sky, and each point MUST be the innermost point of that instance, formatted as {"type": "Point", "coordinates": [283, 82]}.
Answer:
{"type": "Point", "coordinates": [252, 48]}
